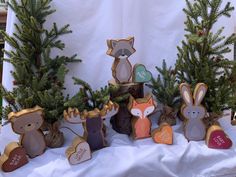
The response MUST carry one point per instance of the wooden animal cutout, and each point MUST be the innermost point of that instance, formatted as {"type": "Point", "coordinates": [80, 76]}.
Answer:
{"type": "Point", "coordinates": [27, 123]}
{"type": "Point", "coordinates": [92, 123]}
{"type": "Point", "coordinates": [193, 111]}
{"type": "Point", "coordinates": [141, 108]}
{"type": "Point", "coordinates": [163, 134]}
{"type": "Point", "coordinates": [216, 138]}
{"type": "Point", "coordinates": [121, 50]}
{"type": "Point", "coordinates": [13, 158]}
{"type": "Point", "coordinates": [78, 152]}
{"type": "Point", "coordinates": [141, 74]}
{"type": "Point", "coordinates": [233, 117]}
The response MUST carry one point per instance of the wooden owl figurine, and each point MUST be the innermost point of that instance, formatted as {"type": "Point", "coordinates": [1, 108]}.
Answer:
{"type": "Point", "coordinates": [193, 111]}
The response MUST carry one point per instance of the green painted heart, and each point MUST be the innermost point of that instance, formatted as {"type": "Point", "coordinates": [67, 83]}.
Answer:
{"type": "Point", "coordinates": [141, 74]}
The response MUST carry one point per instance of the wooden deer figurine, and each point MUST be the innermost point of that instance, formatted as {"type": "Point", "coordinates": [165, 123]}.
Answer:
{"type": "Point", "coordinates": [92, 122]}
{"type": "Point", "coordinates": [121, 49]}
{"type": "Point", "coordinates": [193, 111]}
{"type": "Point", "coordinates": [141, 108]}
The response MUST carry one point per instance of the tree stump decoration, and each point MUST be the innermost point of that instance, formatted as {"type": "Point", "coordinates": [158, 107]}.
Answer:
{"type": "Point", "coordinates": [121, 122]}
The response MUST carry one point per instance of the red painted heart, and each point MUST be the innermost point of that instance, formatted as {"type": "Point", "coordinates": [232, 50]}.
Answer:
{"type": "Point", "coordinates": [219, 140]}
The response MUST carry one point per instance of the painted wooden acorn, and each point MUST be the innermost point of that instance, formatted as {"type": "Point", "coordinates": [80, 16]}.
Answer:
{"type": "Point", "coordinates": [78, 152]}
{"type": "Point", "coordinates": [216, 138]}
{"type": "Point", "coordinates": [92, 122]}
{"type": "Point", "coordinates": [27, 123]}
{"type": "Point", "coordinates": [14, 157]}
{"type": "Point", "coordinates": [141, 108]}
{"type": "Point", "coordinates": [193, 111]}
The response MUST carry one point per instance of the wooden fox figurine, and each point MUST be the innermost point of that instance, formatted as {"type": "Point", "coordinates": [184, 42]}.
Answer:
{"type": "Point", "coordinates": [121, 49]}
{"type": "Point", "coordinates": [141, 108]}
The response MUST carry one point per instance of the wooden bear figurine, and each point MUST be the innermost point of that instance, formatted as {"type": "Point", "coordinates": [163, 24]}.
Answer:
{"type": "Point", "coordinates": [193, 111]}
{"type": "Point", "coordinates": [27, 123]}
{"type": "Point", "coordinates": [121, 49]}
{"type": "Point", "coordinates": [141, 108]}
{"type": "Point", "coordinates": [93, 123]}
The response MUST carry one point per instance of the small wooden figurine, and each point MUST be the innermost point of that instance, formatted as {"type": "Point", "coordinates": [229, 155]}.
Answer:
{"type": "Point", "coordinates": [14, 157]}
{"type": "Point", "coordinates": [193, 111]}
{"type": "Point", "coordinates": [217, 139]}
{"type": "Point", "coordinates": [78, 152]}
{"type": "Point", "coordinates": [233, 117]}
{"type": "Point", "coordinates": [141, 74]}
{"type": "Point", "coordinates": [141, 108]}
{"type": "Point", "coordinates": [92, 123]}
{"type": "Point", "coordinates": [27, 123]}
{"type": "Point", "coordinates": [163, 134]}
{"type": "Point", "coordinates": [121, 50]}
{"type": "Point", "coordinates": [121, 122]}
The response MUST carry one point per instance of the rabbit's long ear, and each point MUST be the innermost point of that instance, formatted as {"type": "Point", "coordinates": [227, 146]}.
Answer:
{"type": "Point", "coordinates": [199, 93]}
{"type": "Point", "coordinates": [186, 93]}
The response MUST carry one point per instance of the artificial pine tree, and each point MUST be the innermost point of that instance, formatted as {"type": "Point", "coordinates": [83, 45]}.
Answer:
{"type": "Point", "coordinates": [88, 99]}
{"type": "Point", "coordinates": [202, 56]}
{"type": "Point", "coordinates": [38, 77]}
{"type": "Point", "coordinates": [165, 89]}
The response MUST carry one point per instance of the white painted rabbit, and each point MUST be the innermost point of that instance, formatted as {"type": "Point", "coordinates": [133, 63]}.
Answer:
{"type": "Point", "coordinates": [193, 111]}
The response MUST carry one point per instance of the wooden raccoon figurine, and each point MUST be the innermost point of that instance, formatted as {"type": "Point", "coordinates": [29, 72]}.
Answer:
{"type": "Point", "coordinates": [121, 49]}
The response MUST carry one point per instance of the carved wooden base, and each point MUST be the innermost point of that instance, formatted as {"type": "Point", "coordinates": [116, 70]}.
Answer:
{"type": "Point", "coordinates": [121, 122]}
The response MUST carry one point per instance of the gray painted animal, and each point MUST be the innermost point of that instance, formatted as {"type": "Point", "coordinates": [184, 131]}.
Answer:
{"type": "Point", "coordinates": [121, 50]}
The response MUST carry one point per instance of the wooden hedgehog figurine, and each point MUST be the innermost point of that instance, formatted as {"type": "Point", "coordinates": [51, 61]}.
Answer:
{"type": "Point", "coordinates": [121, 49]}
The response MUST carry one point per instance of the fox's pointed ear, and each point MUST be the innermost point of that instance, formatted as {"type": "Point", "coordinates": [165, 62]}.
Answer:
{"type": "Point", "coordinates": [150, 100]}
{"type": "Point", "coordinates": [131, 41]}
{"type": "Point", "coordinates": [113, 43]}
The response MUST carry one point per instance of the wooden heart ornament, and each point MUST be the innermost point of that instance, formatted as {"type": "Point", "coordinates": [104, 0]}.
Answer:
{"type": "Point", "coordinates": [78, 152]}
{"type": "Point", "coordinates": [163, 134]}
{"type": "Point", "coordinates": [217, 138]}
{"type": "Point", "coordinates": [141, 74]}
{"type": "Point", "coordinates": [14, 157]}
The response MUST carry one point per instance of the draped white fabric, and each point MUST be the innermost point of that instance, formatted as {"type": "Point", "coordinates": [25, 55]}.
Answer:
{"type": "Point", "coordinates": [158, 27]}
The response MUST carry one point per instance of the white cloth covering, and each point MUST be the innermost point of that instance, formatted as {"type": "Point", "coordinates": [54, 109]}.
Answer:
{"type": "Point", "coordinates": [158, 28]}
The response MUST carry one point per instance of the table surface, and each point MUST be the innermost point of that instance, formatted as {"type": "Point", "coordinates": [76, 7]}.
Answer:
{"type": "Point", "coordinates": [140, 158]}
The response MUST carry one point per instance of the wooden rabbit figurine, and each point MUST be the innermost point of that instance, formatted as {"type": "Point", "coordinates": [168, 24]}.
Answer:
{"type": "Point", "coordinates": [93, 123]}
{"type": "Point", "coordinates": [193, 111]}
{"type": "Point", "coordinates": [121, 49]}
{"type": "Point", "coordinates": [141, 108]}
